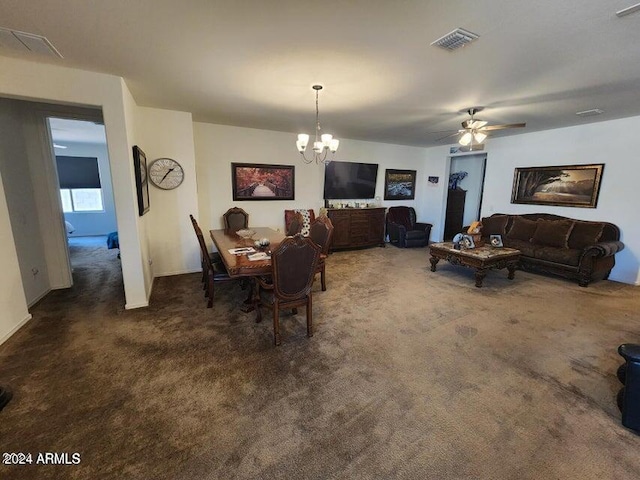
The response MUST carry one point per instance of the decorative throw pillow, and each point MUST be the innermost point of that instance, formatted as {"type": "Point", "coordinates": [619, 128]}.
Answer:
{"type": "Point", "coordinates": [553, 233]}
{"type": "Point", "coordinates": [495, 225]}
{"type": "Point", "coordinates": [306, 221]}
{"type": "Point", "coordinates": [585, 234]}
{"type": "Point", "coordinates": [522, 229]}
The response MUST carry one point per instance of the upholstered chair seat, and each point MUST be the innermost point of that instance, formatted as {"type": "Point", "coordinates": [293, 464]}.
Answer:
{"type": "Point", "coordinates": [403, 229]}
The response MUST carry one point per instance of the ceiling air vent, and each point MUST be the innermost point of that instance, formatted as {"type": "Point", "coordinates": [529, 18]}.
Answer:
{"type": "Point", "coordinates": [590, 113]}
{"type": "Point", "coordinates": [27, 42]}
{"type": "Point", "coordinates": [456, 39]}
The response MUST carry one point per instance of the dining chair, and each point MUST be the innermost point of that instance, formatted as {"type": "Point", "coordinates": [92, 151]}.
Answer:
{"type": "Point", "coordinates": [212, 271]}
{"type": "Point", "coordinates": [295, 225]}
{"type": "Point", "coordinates": [214, 256]}
{"type": "Point", "coordinates": [308, 217]}
{"type": "Point", "coordinates": [321, 232]}
{"type": "Point", "coordinates": [235, 219]}
{"type": "Point", "coordinates": [293, 266]}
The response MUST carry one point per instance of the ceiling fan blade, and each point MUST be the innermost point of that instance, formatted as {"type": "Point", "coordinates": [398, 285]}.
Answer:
{"type": "Point", "coordinates": [447, 136]}
{"type": "Point", "coordinates": [478, 124]}
{"type": "Point", "coordinates": [488, 128]}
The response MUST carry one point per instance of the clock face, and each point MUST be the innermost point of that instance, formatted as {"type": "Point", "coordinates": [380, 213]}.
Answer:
{"type": "Point", "coordinates": [166, 173]}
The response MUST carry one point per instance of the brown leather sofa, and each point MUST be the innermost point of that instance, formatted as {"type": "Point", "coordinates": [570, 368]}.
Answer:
{"type": "Point", "coordinates": [575, 249]}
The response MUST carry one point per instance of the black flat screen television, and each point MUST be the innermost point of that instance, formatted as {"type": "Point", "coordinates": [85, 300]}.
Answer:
{"type": "Point", "coordinates": [345, 180]}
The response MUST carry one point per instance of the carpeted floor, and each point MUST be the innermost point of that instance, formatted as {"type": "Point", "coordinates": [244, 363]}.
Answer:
{"type": "Point", "coordinates": [410, 375]}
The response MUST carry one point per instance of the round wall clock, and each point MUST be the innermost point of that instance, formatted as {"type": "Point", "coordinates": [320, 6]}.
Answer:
{"type": "Point", "coordinates": [166, 173]}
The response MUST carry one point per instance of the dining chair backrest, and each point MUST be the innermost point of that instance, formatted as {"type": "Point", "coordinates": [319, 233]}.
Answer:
{"type": "Point", "coordinates": [294, 264]}
{"type": "Point", "coordinates": [235, 219]}
{"type": "Point", "coordinates": [321, 233]}
{"type": "Point", "coordinates": [295, 225]}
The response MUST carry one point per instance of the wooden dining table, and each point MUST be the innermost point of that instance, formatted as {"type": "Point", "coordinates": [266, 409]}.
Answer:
{"type": "Point", "coordinates": [239, 265]}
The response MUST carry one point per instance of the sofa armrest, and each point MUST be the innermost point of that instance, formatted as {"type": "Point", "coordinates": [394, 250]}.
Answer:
{"type": "Point", "coordinates": [630, 351]}
{"type": "Point", "coordinates": [423, 226]}
{"type": "Point", "coordinates": [397, 232]}
{"type": "Point", "coordinates": [603, 249]}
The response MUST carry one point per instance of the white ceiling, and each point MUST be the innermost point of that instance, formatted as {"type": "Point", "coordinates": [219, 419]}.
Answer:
{"type": "Point", "coordinates": [252, 63]}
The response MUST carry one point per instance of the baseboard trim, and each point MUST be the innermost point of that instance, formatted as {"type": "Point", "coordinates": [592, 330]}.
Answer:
{"type": "Point", "coordinates": [132, 306]}
{"type": "Point", "coordinates": [38, 298]}
{"type": "Point", "coordinates": [20, 324]}
{"type": "Point", "coordinates": [179, 272]}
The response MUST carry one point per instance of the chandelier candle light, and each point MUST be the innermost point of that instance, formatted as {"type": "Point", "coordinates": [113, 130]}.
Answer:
{"type": "Point", "coordinates": [321, 145]}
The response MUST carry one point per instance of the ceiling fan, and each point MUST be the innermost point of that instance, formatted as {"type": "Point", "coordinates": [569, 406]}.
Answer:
{"type": "Point", "coordinates": [474, 131]}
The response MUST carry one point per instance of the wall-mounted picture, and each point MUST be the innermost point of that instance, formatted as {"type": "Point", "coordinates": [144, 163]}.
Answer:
{"type": "Point", "coordinates": [566, 185]}
{"type": "Point", "coordinates": [255, 181]}
{"type": "Point", "coordinates": [399, 184]}
{"type": "Point", "coordinates": [142, 183]}
{"type": "Point", "coordinates": [433, 181]}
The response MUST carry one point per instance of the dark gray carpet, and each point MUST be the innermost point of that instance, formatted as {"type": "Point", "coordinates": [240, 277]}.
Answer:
{"type": "Point", "coordinates": [411, 375]}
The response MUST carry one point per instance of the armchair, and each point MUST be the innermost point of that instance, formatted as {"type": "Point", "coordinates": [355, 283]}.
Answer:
{"type": "Point", "coordinates": [404, 231]}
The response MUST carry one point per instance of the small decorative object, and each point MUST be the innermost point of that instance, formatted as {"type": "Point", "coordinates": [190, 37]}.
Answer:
{"type": "Point", "coordinates": [467, 242]}
{"type": "Point", "coordinates": [495, 240]}
{"type": "Point", "coordinates": [142, 182]}
{"type": "Point", "coordinates": [566, 185]}
{"type": "Point", "coordinates": [456, 241]}
{"type": "Point", "coordinates": [399, 184]}
{"type": "Point", "coordinates": [166, 173]}
{"type": "Point", "coordinates": [246, 233]}
{"type": "Point", "coordinates": [474, 228]}
{"type": "Point", "coordinates": [255, 181]}
{"type": "Point", "coordinates": [455, 179]}
{"type": "Point", "coordinates": [264, 242]}
{"type": "Point", "coordinates": [433, 181]}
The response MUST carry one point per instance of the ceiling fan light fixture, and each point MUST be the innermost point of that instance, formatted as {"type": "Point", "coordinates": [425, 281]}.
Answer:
{"type": "Point", "coordinates": [466, 139]}
{"type": "Point", "coordinates": [479, 137]}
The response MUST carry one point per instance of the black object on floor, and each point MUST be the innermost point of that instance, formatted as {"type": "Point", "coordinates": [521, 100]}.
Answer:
{"type": "Point", "coordinates": [629, 395]}
{"type": "Point", "coordinates": [5, 396]}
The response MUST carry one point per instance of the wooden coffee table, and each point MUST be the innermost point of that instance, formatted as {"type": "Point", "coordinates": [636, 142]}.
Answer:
{"type": "Point", "coordinates": [482, 259]}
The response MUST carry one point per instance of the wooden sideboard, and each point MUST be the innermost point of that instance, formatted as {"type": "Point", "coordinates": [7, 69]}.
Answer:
{"type": "Point", "coordinates": [357, 227]}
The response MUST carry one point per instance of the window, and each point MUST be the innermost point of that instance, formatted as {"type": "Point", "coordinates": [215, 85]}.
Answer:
{"type": "Point", "coordinates": [81, 200]}
{"type": "Point", "coordinates": [80, 189]}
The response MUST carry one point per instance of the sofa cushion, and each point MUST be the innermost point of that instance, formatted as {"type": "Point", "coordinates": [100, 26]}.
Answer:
{"type": "Point", "coordinates": [565, 256]}
{"type": "Point", "coordinates": [496, 225]}
{"type": "Point", "coordinates": [585, 234]}
{"type": "Point", "coordinates": [522, 229]}
{"type": "Point", "coordinates": [527, 249]}
{"type": "Point", "coordinates": [553, 233]}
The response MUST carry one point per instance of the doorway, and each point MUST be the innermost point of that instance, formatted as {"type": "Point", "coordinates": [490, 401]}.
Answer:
{"type": "Point", "coordinates": [465, 202]}
{"type": "Point", "coordinates": [86, 194]}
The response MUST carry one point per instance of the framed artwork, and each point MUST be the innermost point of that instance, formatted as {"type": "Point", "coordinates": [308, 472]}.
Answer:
{"type": "Point", "coordinates": [399, 184]}
{"type": "Point", "coordinates": [495, 240]}
{"type": "Point", "coordinates": [142, 182]}
{"type": "Point", "coordinates": [255, 181]}
{"type": "Point", "coordinates": [566, 185]}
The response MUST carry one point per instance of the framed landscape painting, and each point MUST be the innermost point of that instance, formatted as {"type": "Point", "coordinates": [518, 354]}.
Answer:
{"type": "Point", "coordinates": [256, 181]}
{"type": "Point", "coordinates": [399, 184]}
{"type": "Point", "coordinates": [566, 185]}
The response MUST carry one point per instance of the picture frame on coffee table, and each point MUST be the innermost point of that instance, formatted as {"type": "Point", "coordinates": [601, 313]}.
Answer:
{"type": "Point", "coordinates": [496, 241]}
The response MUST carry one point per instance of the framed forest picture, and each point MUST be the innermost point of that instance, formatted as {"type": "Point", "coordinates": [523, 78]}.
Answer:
{"type": "Point", "coordinates": [566, 185]}
{"type": "Point", "coordinates": [256, 181]}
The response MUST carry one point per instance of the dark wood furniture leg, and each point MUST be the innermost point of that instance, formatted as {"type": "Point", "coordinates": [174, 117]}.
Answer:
{"type": "Point", "coordinates": [512, 270]}
{"type": "Point", "coordinates": [480, 274]}
{"type": "Point", "coordinates": [434, 261]}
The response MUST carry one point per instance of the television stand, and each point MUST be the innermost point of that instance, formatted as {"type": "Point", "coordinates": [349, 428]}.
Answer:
{"type": "Point", "coordinates": [357, 227]}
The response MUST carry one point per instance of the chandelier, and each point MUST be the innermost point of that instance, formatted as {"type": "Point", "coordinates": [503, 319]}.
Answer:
{"type": "Point", "coordinates": [323, 142]}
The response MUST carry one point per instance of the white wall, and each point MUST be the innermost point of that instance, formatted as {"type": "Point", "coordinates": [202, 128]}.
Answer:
{"type": "Point", "coordinates": [20, 200]}
{"type": "Point", "coordinates": [172, 241]}
{"type": "Point", "coordinates": [612, 143]}
{"type": "Point", "coordinates": [217, 146]}
{"type": "Point", "coordinates": [93, 223]}
{"type": "Point", "coordinates": [13, 304]}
